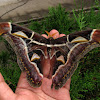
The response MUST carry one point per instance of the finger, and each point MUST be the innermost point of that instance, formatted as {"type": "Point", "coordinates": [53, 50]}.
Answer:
{"type": "Point", "coordinates": [67, 85]}
{"type": "Point", "coordinates": [54, 33]}
{"type": "Point", "coordinates": [57, 94]}
{"type": "Point", "coordinates": [44, 35]}
{"type": "Point", "coordinates": [23, 83]}
{"type": "Point", "coordinates": [55, 36]}
{"type": "Point", "coordinates": [5, 92]}
{"type": "Point", "coordinates": [61, 35]}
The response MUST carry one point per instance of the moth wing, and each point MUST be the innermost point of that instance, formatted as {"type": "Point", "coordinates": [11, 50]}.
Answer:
{"type": "Point", "coordinates": [20, 38]}
{"type": "Point", "coordinates": [79, 44]}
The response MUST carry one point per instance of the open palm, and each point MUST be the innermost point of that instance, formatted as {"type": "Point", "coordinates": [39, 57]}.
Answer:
{"type": "Point", "coordinates": [25, 92]}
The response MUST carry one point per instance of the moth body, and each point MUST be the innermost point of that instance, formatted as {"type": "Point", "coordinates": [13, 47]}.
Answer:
{"type": "Point", "coordinates": [53, 58]}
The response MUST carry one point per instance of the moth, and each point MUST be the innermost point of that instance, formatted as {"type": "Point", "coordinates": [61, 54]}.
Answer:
{"type": "Point", "coordinates": [63, 54]}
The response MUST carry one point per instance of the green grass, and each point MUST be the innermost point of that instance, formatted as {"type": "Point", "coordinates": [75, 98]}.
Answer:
{"type": "Point", "coordinates": [85, 83]}
{"type": "Point", "coordinates": [9, 67]}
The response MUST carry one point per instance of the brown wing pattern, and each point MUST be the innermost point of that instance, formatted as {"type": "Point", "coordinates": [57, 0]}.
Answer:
{"type": "Point", "coordinates": [34, 51]}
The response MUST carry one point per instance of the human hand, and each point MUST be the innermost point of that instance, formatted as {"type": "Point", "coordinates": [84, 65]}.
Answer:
{"type": "Point", "coordinates": [25, 92]}
{"type": "Point", "coordinates": [53, 33]}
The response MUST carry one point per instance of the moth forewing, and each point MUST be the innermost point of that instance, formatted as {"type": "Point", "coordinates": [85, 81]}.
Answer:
{"type": "Point", "coordinates": [71, 48]}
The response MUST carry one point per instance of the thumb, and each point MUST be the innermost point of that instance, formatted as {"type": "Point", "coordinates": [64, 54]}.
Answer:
{"type": "Point", "coordinates": [5, 92]}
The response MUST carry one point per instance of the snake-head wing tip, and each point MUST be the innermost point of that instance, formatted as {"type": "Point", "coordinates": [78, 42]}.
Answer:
{"type": "Point", "coordinates": [5, 27]}
{"type": "Point", "coordinates": [95, 35]}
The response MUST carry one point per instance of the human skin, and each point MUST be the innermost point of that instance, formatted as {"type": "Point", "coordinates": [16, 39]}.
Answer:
{"type": "Point", "coordinates": [25, 92]}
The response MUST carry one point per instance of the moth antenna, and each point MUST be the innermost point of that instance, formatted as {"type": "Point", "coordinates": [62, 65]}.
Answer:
{"type": "Point", "coordinates": [54, 34]}
{"type": "Point", "coordinates": [48, 33]}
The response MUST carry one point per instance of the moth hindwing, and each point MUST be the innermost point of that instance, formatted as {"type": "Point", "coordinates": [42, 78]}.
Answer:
{"type": "Point", "coordinates": [55, 59]}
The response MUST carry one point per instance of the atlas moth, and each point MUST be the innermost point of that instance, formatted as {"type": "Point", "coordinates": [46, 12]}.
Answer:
{"type": "Point", "coordinates": [33, 50]}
